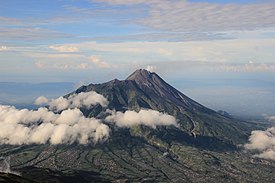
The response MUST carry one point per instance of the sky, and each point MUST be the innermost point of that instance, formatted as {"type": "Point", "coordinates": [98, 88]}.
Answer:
{"type": "Point", "coordinates": [220, 53]}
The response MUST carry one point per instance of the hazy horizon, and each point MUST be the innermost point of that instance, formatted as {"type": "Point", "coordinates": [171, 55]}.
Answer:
{"type": "Point", "coordinates": [217, 94]}
{"type": "Point", "coordinates": [219, 53]}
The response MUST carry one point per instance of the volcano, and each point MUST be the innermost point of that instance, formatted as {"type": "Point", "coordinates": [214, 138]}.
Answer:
{"type": "Point", "coordinates": [198, 124]}
{"type": "Point", "coordinates": [203, 147]}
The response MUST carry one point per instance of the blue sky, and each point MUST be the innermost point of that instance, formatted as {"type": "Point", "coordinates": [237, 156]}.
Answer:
{"type": "Point", "coordinates": [220, 53]}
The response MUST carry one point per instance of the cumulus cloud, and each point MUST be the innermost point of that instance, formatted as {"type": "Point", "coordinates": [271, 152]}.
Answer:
{"type": "Point", "coordinates": [99, 62]}
{"type": "Point", "coordinates": [82, 66]}
{"type": "Point", "coordinates": [270, 118]}
{"type": "Point", "coordinates": [83, 99]}
{"type": "Point", "coordinates": [43, 126]}
{"type": "Point", "coordinates": [69, 125]}
{"type": "Point", "coordinates": [3, 48]}
{"type": "Point", "coordinates": [263, 143]}
{"type": "Point", "coordinates": [64, 48]}
{"type": "Point", "coordinates": [41, 100]}
{"type": "Point", "coordinates": [145, 117]}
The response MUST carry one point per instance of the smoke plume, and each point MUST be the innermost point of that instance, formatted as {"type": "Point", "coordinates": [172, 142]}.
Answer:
{"type": "Point", "coordinates": [43, 126]}
{"type": "Point", "coordinates": [149, 118]}
{"type": "Point", "coordinates": [263, 143]}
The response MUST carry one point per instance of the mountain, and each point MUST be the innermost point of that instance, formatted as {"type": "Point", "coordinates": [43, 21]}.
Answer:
{"type": "Point", "coordinates": [198, 124]}
{"type": "Point", "coordinates": [204, 147]}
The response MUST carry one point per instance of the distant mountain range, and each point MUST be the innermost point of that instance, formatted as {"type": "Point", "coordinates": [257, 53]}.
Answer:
{"type": "Point", "coordinates": [205, 146]}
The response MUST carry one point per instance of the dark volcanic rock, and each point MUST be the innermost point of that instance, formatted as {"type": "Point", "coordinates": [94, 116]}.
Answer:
{"type": "Point", "coordinates": [202, 149]}
{"type": "Point", "coordinates": [144, 89]}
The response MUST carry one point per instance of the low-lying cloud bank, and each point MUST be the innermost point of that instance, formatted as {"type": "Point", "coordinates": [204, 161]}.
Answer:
{"type": "Point", "coordinates": [263, 143]}
{"type": "Point", "coordinates": [145, 117]}
{"type": "Point", "coordinates": [83, 99]}
{"type": "Point", "coordinates": [62, 122]}
{"type": "Point", "coordinates": [43, 126]}
{"type": "Point", "coordinates": [271, 118]}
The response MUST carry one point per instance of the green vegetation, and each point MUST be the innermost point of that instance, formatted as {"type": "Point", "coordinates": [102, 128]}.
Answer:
{"type": "Point", "coordinates": [204, 148]}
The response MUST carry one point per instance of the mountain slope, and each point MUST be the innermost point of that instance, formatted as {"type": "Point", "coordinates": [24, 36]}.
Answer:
{"type": "Point", "coordinates": [203, 148]}
{"type": "Point", "coordinates": [198, 124]}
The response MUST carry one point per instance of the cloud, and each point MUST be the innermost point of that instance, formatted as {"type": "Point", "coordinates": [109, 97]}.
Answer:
{"type": "Point", "coordinates": [167, 36]}
{"type": "Point", "coordinates": [69, 125]}
{"type": "Point", "coordinates": [40, 65]}
{"type": "Point", "coordinates": [59, 56]}
{"type": "Point", "coordinates": [83, 99]}
{"type": "Point", "coordinates": [82, 66]}
{"type": "Point", "coordinates": [128, 2]}
{"type": "Point", "coordinates": [43, 126]}
{"type": "Point", "coordinates": [150, 68]}
{"type": "Point", "coordinates": [30, 34]}
{"type": "Point", "coordinates": [4, 48]}
{"type": "Point", "coordinates": [271, 118]}
{"type": "Point", "coordinates": [99, 62]}
{"type": "Point", "coordinates": [249, 67]}
{"type": "Point", "coordinates": [187, 16]}
{"type": "Point", "coordinates": [145, 117]}
{"type": "Point", "coordinates": [33, 21]}
{"type": "Point", "coordinates": [263, 143]}
{"type": "Point", "coordinates": [223, 51]}
{"type": "Point", "coordinates": [64, 48]}
{"type": "Point", "coordinates": [41, 100]}
{"type": "Point", "coordinates": [60, 61]}
{"type": "Point", "coordinates": [62, 66]}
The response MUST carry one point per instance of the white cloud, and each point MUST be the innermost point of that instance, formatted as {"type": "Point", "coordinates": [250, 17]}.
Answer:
{"type": "Point", "coordinates": [99, 62]}
{"type": "Point", "coordinates": [263, 142]}
{"type": "Point", "coordinates": [30, 34]}
{"type": "Point", "coordinates": [4, 48]}
{"type": "Point", "coordinates": [83, 99]}
{"type": "Point", "coordinates": [236, 55]}
{"type": "Point", "coordinates": [271, 118]}
{"type": "Point", "coordinates": [58, 56]}
{"type": "Point", "coordinates": [145, 117]}
{"type": "Point", "coordinates": [43, 126]}
{"type": "Point", "coordinates": [82, 66]}
{"type": "Point", "coordinates": [224, 51]}
{"type": "Point", "coordinates": [128, 2]}
{"type": "Point", "coordinates": [150, 68]}
{"type": "Point", "coordinates": [59, 61]}
{"type": "Point", "coordinates": [186, 16]}
{"type": "Point", "coordinates": [40, 65]}
{"type": "Point", "coordinates": [64, 48]}
{"type": "Point", "coordinates": [249, 67]}
{"type": "Point", "coordinates": [41, 100]}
